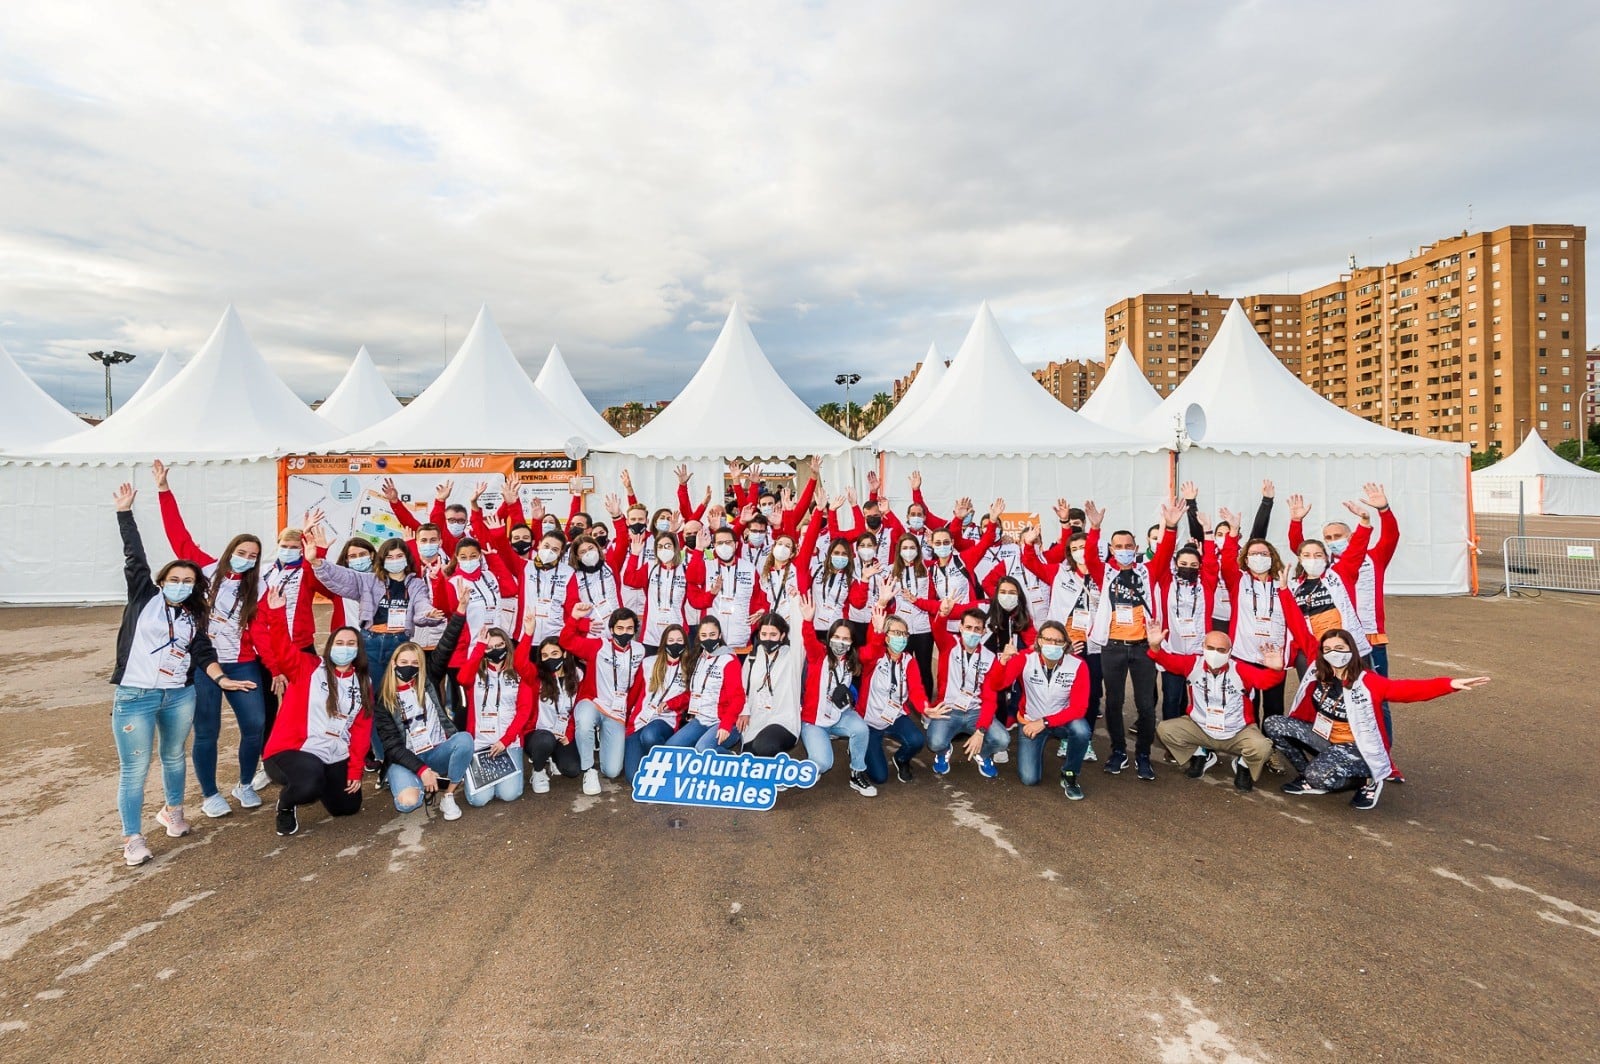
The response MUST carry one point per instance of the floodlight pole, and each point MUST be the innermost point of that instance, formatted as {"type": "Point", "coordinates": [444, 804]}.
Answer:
{"type": "Point", "coordinates": [109, 359]}
{"type": "Point", "coordinates": [847, 379]}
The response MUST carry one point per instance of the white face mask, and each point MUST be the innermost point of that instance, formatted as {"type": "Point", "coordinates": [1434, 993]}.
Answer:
{"type": "Point", "coordinates": [456, 528]}
{"type": "Point", "coordinates": [1336, 546]}
{"type": "Point", "coordinates": [782, 552]}
{"type": "Point", "coordinates": [1078, 555]}
{"type": "Point", "coordinates": [666, 555]}
{"type": "Point", "coordinates": [910, 555]}
{"type": "Point", "coordinates": [867, 554]}
{"type": "Point", "coordinates": [725, 551]}
{"type": "Point", "coordinates": [469, 565]}
{"type": "Point", "coordinates": [756, 539]}
{"type": "Point", "coordinates": [1338, 658]}
{"type": "Point", "coordinates": [548, 555]}
{"type": "Point", "coordinates": [1314, 567]}
{"type": "Point", "coordinates": [1216, 659]}
{"type": "Point", "coordinates": [1259, 563]}
{"type": "Point", "coordinates": [1006, 600]}
{"type": "Point", "coordinates": [590, 557]}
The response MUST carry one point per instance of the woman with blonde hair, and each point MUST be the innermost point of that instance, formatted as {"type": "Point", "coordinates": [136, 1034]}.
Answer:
{"type": "Point", "coordinates": [422, 748]}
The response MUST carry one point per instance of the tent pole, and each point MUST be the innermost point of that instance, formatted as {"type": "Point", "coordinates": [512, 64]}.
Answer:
{"type": "Point", "coordinates": [1472, 531]}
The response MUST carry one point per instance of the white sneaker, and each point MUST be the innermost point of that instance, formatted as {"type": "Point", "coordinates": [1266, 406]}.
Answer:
{"type": "Point", "coordinates": [448, 806]}
{"type": "Point", "coordinates": [1001, 757]}
{"type": "Point", "coordinates": [541, 781]}
{"type": "Point", "coordinates": [216, 806]}
{"type": "Point", "coordinates": [248, 798]}
{"type": "Point", "coordinates": [260, 781]}
{"type": "Point", "coordinates": [175, 822]}
{"type": "Point", "coordinates": [1088, 753]}
{"type": "Point", "coordinates": [136, 851]}
{"type": "Point", "coordinates": [591, 781]}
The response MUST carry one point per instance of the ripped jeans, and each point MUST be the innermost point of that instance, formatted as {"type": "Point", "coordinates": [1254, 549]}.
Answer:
{"type": "Point", "coordinates": [138, 716]}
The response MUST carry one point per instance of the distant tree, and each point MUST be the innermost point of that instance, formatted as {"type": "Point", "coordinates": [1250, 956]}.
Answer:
{"type": "Point", "coordinates": [1486, 458]}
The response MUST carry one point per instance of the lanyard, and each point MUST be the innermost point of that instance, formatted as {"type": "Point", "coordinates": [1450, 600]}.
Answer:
{"type": "Point", "coordinates": [1205, 687]}
{"type": "Point", "coordinates": [169, 612]}
{"type": "Point", "coordinates": [674, 582]}
{"type": "Point", "coordinates": [1255, 603]}
{"type": "Point", "coordinates": [766, 662]}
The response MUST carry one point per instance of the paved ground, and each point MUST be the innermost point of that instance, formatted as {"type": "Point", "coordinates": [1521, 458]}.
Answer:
{"type": "Point", "coordinates": [945, 920]}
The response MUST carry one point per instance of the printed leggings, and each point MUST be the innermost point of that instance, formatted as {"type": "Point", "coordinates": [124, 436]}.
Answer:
{"type": "Point", "coordinates": [1326, 766]}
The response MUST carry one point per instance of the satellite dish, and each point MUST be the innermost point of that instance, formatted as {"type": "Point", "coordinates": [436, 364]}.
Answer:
{"type": "Point", "coordinates": [576, 449]}
{"type": "Point", "coordinates": [1194, 423]}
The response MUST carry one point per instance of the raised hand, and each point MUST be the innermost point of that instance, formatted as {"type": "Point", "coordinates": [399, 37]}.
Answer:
{"type": "Point", "coordinates": [1298, 507]}
{"type": "Point", "coordinates": [613, 505]}
{"type": "Point", "coordinates": [997, 508]}
{"type": "Point", "coordinates": [963, 507]}
{"type": "Point", "coordinates": [747, 513]}
{"type": "Point", "coordinates": [1268, 489]}
{"type": "Point", "coordinates": [158, 470]}
{"type": "Point", "coordinates": [1468, 683]}
{"type": "Point", "coordinates": [1360, 511]}
{"type": "Point", "coordinates": [275, 599]}
{"type": "Point", "coordinates": [872, 482]}
{"type": "Point", "coordinates": [850, 496]}
{"type": "Point", "coordinates": [886, 594]}
{"type": "Point", "coordinates": [441, 493]}
{"type": "Point", "coordinates": [815, 462]}
{"type": "Point", "coordinates": [1189, 491]}
{"type": "Point", "coordinates": [683, 474]}
{"type": "Point", "coordinates": [736, 469]}
{"type": "Point", "coordinates": [582, 610]}
{"type": "Point", "coordinates": [313, 522]}
{"type": "Point", "coordinates": [915, 479]}
{"type": "Point", "coordinates": [627, 482]}
{"type": "Point", "coordinates": [477, 493]}
{"type": "Point", "coordinates": [786, 498]}
{"type": "Point", "coordinates": [1272, 658]}
{"type": "Point", "coordinates": [1376, 497]}
{"type": "Point", "coordinates": [1171, 512]}
{"type": "Point", "coordinates": [702, 538]}
{"type": "Point", "coordinates": [1205, 521]}
{"type": "Point", "coordinates": [123, 497]}
{"type": "Point", "coordinates": [1225, 514]}
{"type": "Point", "coordinates": [390, 492]}
{"type": "Point", "coordinates": [808, 608]}
{"type": "Point", "coordinates": [493, 521]}
{"type": "Point", "coordinates": [1063, 511]}
{"type": "Point", "coordinates": [1030, 535]}
{"type": "Point", "coordinates": [837, 502]}
{"type": "Point", "coordinates": [536, 512]}
{"type": "Point", "coordinates": [1093, 513]}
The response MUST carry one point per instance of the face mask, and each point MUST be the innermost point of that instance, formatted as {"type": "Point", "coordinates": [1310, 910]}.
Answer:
{"type": "Point", "coordinates": [1337, 658]}
{"type": "Point", "coordinates": [840, 647]}
{"type": "Point", "coordinates": [663, 526]}
{"type": "Point", "coordinates": [456, 528]}
{"type": "Point", "coordinates": [176, 593]}
{"type": "Point", "coordinates": [405, 673]}
{"type": "Point", "coordinates": [972, 640]}
{"type": "Point", "coordinates": [637, 528]}
{"type": "Point", "coordinates": [1006, 600]}
{"type": "Point", "coordinates": [468, 565]}
{"type": "Point", "coordinates": [428, 550]}
{"type": "Point", "coordinates": [1076, 526]}
{"type": "Point", "coordinates": [342, 656]}
{"type": "Point", "coordinates": [289, 555]}
{"type": "Point", "coordinates": [548, 526]}
{"type": "Point", "coordinates": [897, 643]}
{"type": "Point", "coordinates": [550, 664]}
{"type": "Point", "coordinates": [782, 552]}
{"type": "Point", "coordinates": [495, 655]}
{"type": "Point", "coordinates": [915, 523]}
{"type": "Point", "coordinates": [874, 522]}
{"type": "Point", "coordinates": [1052, 652]}
{"type": "Point", "coordinates": [756, 539]}
{"type": "Point", "coordinates": [1124, 557]}
{"type": "Point", "coordinates": [1153, 541]}
{"type": "Point", "coordinates": [910, 554]}
{"type": "Point", "coordinates": [725, 551]}
{"type": "Point", "coordinates": [769, 645]}
{"type": "Point", "coordinates": [547, 555]}
{"type": "Point", "coordinates": [240, 564]}
{"type": "Point", "coordinates": [523, 547]}
{"type": "Point", "coordinates": [767, 510]}
{"type": "Point", "coordinates": [601, 540]}
{"type": "Point", "coordinates": [1078, 555]}
{"type": "Point", "coordinates": [622, 638]}
{"type": "Point", "coordinates": [666, 555]}
{"type": "Point", "coordinates": [1216, 659]}
{"type": "Point", "coordinates": [392, 565]}
{"type": "Point", "coordinates": [840, 562]}
{"type": "Point", "coordinates": [1336, 546]}
{"type": "Point", "coordinates": [1188, 575]}
{"type": "Point", "coordinates": [1313, 567]}
{"type": "Point", "coordinates": [589, 557]}
{"type": "Point", "coordinates": [711, 644]}
{"type": "Point", "coordinates": [942, 551]}
{"type": "Point", "coordinates": [867, 554]}
{"type": "Point", "coordinates": [674, 651]}
{"type": "Point", "coordinates": [361, 563]}
{"type": "Point", "coordinates": [1259, 563]}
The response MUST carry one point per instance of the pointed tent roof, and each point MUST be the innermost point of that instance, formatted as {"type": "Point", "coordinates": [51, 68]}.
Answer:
{"type": "Point", "coordinates": [28, 416]}
{"type": "Point", "coordinates": [987, 376]}
{"type": "Point", "coordinates": [735, 406]}
{"type": "Point", "coordinates": [483, 401]}
{"type": "Point", "coordinates": [168, 368]}
{"type": "Point", "coordinates": [226, 403]}
{"type": "Point", "coordinates": [1253, 405]}
{"type": "Point", "coordinates": [923, 385]}
{"type": "Point", "coordinates": [1535, 459]}
{"type": "Point", "coordinates": [362, 399]}
{"type": "Point", "coordinates": [555, 381]}
{"type": "Point", "coordinates": [1124, 396]}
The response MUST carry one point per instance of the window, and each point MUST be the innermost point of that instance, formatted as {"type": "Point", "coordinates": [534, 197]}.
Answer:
{"type": "Point", "coordinates": [1539, 279]}
{"type": "Point", "coordinates": [1566, 279]}
{"type": "Point", "coordinates": [1537, 243]}
{"type": "Point", "coordinates": [1539, 297]}
{"type": "Point", "coordinates": [1543, 370]}
{"type": "Point", "coordinates": [1539, 261]}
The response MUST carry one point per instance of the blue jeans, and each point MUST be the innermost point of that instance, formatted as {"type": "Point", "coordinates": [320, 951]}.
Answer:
{"type": "Point", "coordinates": [137, 715]}
{"type": "Point", "coordinates": [380, 647]}
{"type": "Point", "coordinates": [588, 719]}
{"type": "Point", "coordinates": [639, 743]}
{"type": "Point", "coordinates": [1030, 752]}
{"type": "Point", "coordinates": [942, 731]}
{"type": "Point", "coordinates": [702, 737]}
{"type": "Point", "coordinates": [508, 789]}
{"type": "Point", "coordinates": [818, 741]}
{"type": "Point", "coordinates": [449, 759]}
{"type": "Point", "coordinates": [249, 709]}
{"type": "Point", "coordinates": [906, 730]}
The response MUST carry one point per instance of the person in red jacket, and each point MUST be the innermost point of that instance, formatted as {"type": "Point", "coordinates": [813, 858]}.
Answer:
{"type": "Point", "coordinates": [891, 692]}
{"type": "Point", "coordinates": [1368, 589]}
{"type": "Point", "coordinates": [828, 701]}
{"type": "Point", "coordinates": [1334, 735]}
{"type": "Point", "coordinates": [1324, 589]}
{"type": "Point", "coordinates": [449, 519]}
{"type": "Point", "coordinates": [319, 741]}
{"type": "Point", "coordinates": [613, 685]}
{"type": "Point", "coordinates": [715, 678]}
{"type": "Point", "coordinates": [550, 725]}
{"type": "Point", "coordinates": [1054, 704]}
{"type": "Point", "coordinates": [1221, 718]}
{"type": "Point", "coordinates": [497, 710]}
{"type": "Point", "coordinates": [659, 712]}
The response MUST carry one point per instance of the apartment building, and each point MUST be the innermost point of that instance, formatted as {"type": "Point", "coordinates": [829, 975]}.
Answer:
{"type": "Point", "coordinates": [1071, 380]}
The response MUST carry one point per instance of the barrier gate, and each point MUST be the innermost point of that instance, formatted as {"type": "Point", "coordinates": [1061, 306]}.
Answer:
{"type": "Point", "coordinates": [1552, 563]}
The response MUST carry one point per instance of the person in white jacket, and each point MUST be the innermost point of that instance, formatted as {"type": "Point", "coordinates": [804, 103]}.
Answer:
{"type": "Point", "coordinates": [773, 674]}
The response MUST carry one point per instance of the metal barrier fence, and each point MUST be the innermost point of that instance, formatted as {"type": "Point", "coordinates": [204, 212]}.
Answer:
{"type": "Point", "coordinates": [1552, 563]}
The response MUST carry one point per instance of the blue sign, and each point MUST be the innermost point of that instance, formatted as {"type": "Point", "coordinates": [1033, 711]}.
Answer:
{"type": "Point", "coordinates": [677, 775]}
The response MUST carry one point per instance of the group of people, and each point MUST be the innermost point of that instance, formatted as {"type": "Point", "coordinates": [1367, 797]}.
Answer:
{"type": "Point", "coordinates": [486, 651]}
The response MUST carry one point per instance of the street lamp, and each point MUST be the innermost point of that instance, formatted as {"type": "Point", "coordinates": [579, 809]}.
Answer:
{"type": "Point", "coordinates": [109, 359]}
{"type": "Point", "coordinates": [847, 379]}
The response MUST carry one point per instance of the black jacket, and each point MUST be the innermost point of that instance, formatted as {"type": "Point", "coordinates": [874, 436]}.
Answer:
{"type": "Point", "coordinates": [141, 589]}
{"type": "Point", "coordinates": [437, 664]}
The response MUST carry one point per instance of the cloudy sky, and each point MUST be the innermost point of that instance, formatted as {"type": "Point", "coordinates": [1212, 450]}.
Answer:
{"type": "Point", "coordinates": [859, 175]}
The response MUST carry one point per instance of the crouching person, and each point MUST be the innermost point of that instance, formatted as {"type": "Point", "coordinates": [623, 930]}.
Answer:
{"type": "Point", "coordinates": [423, 752]}
{"type": "Point", "coordinates": [1054, 704]}
{"type": "Point", "coordinates": [1221, 718]}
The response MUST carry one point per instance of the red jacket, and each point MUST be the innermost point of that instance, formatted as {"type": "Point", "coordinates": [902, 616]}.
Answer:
{"type": "Point", "coordinates": [1381, 553]}
{"type": "Point", "coordinates": [407, 519]}
{"type": "Point", "coordinates": [467, 676]}
{"type": "Point", "coordinates": [285, 659]}
{"type": "Point", "coordinates": [185, 548]}
{"type": "Point", "coordinates": [1255, 678]}
{"type": "Point", "coordinates": [947, 642]}
{"type": "Point", "coordinates": [588, 648]}
{"type": "Point", "coordinates": [1003, 676]}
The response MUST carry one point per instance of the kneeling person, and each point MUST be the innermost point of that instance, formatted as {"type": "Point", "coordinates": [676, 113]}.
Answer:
{"type": "Point", "coordinates": [1054, 704]}
{"type": "Point", "coordinates": [1221, 719]}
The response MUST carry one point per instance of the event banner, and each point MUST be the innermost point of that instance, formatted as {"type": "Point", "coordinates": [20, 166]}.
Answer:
{"type": "Point", "coordinates": [1016, 524]}
{"type": "Point", "coordinates": [348, 488]}
{"type": "Point", "coordinates": [681, 775]}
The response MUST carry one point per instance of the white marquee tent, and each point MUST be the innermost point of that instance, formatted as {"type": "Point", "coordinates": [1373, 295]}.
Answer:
{"type": "Point", "coordinates": [361, 400]}
{"type": "Point", "coordinates": [1545, 482]}
{"type": "Point", "coordinates": [28, 416]}
{"type": "Point", "coordinates": [219, 423]}
{"type": "Point", "coordinates": [1124, 397]}
{"type": "Point", "coordinates": [989, 430]}
{"type": "Point", "coordinates": [556, 382]}
{"type": "Point", "coordinates": [1262, 422]}
{"type": "Point", "coordinates": [166, 369]}
{"type": "Point", "coordinates": [923, 385]}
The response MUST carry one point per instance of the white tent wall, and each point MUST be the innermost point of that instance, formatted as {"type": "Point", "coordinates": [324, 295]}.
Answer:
{"type": "Point", "coordinates": [58, 530]}
{"type": "Point", "coordinates": [1500, 495]}
{"type": "Point", "coordinates": [1129, 486]}
{"type": "Point", "coordinates": [1428, 493]}
{"type": "Point", "coordinates": [1574, 496]}
{"type": "Point", "coordinates": [656, 485]}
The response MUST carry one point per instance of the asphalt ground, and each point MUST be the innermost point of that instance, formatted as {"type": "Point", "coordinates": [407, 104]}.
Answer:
{"type": "Point", "coordinates": [947, 919]}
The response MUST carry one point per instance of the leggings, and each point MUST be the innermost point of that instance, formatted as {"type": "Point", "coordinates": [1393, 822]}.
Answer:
{"type": "Point", "coordinates": [920, 644]}
{"type": "Point", "coordinates": [1331, 766]}
{"type": "Point", "coordinates": [542, 748]}
{"type": "Point", "coordinates": [306, 778]}
{"type": "Point", "coordinates": [771, 740]}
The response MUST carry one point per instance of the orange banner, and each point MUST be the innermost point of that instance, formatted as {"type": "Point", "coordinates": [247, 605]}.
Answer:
{"type": "Point", "coordinates": [1015, 524]}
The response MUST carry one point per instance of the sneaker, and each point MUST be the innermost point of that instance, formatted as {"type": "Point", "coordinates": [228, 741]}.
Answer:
{"type": "Point", "coordinates": [591, 781]}
{"type": "Point", "coordinates": [1141, 766]}
{"type": "Point", "coordinates": [1061, 749]}
{"type": "Point", "coordinates": [216, 806]}
{"type": "Point", "coordinates": [1116, 762]}
{"type": "Point", "coordinates": [862, 786]}
{"type": "Point", "coordinates": [986, 767]}
{"type": "Point", "coordinates": [1001, 757]}
{"type": "Point", "coordinates": [941, 762]}
{"type": "Point", "coordinates": [136, 851]}
{"type": "Point", "coordinates": [1242, 780]}
{"type": "Point", "coordinates": [259, 782]}
{"type": "Point", "coordinates": [248, 798]}
{"type": "Point", "coordinates": [1367, 796]}
{"type": "Point", "coordinates": [173, 820]}
{"type": "Point", "coordinates": [1088, 753]}
{"type": "Point", "coordinates": [541, 781]}
{"type": "Point", "coordinates": [1395, 775]}
{"type": "Point", "coordinates": [288, 821]}
{"type": "Point", "coordinates": [1298, 785]}
{"type": "Point", "coordinates": [902, 770]}
{"type": "Point", "coordinates": [1069, 787]}
{"type": "Point", "coordinates": [1199, 763]}
{"type": "Point", "coordinates": [448, 806]}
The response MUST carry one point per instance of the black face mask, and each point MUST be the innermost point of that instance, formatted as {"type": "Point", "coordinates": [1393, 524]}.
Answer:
{"type": "Point", "coordinates": [674, 651]}
{"type": "Point", "coordinates": [495, 654]}
{"type": "Point", "coordinates": [405, 673]}
{"type": "Point", "coordinates": [770, 645]}
{"type": "Point", "coordinates": [874, 522]}
{"type": "Point", "coordinates": [1188, 575]}
{"type": "Point", "coordinates": [637, 528]}
{"type": "Point", "coordinates": [600, 541]}
{"type": "Point", "coordinates": [622, 638]}
{"type": "Point", "coordinates": [551, 665]}
{"type": "Point", "coordinates": [711, 644]}
{"type": "Point", "coordinates": [523, 547]}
